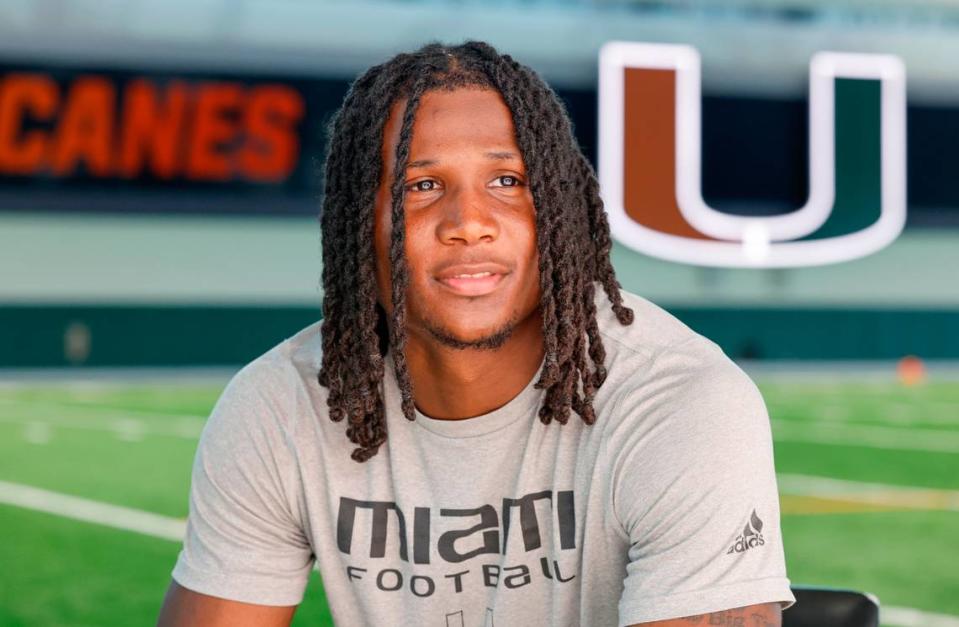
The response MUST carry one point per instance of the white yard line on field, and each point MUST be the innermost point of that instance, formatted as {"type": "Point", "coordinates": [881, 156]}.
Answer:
{"type": "Point", "coordinates": [100, 410]}
{"type": "Point", "coordinates": [112, 378]}
{"type": "Point", "coordinates": [928, 415]}
{"type": "Point", "coordinates": [116, 516]}
{"type": "Point", "coordinates": [127, 429]}
{"type": "Point", "coordinates": [911, 497]}
{"type": "Point", "coordinates": [926, 440]}
{"type": "Point", "coordinates": [37, 432]}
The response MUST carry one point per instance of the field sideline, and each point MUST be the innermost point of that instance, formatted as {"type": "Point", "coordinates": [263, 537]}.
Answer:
{"type": "Point", "coordinates": [94, 478]}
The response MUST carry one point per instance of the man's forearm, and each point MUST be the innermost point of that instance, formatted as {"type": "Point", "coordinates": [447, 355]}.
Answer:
{"type": "Point", "coordinates": [765, 615]}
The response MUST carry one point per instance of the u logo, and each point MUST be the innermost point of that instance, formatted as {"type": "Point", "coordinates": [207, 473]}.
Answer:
{"type": "Point", "coordinates": [650, 160]}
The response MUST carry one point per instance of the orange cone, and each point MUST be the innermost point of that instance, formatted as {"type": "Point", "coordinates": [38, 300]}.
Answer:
{"type": "Point", "coordinates": [911, 370]}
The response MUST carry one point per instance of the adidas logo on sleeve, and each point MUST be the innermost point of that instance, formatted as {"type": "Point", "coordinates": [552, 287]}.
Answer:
{"type": "Point", "coordinates": [750, 538]}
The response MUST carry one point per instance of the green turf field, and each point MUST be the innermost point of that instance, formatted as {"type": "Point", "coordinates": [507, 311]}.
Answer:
{"type": "Point", "coordinates": [869, 476]}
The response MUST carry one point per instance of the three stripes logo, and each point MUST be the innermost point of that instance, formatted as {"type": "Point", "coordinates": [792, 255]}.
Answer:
{"type": "Point", "coordinates": [750, 538]}
{"type": "Point", "coordinates": [650, 162]}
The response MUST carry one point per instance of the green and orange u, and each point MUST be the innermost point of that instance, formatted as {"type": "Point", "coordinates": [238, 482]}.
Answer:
{"type": "Point", "coordinates": [650, 162]}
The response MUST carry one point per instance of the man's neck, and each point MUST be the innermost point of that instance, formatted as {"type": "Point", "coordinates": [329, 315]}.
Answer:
{"type": "Point", "coordinates": [451, 384]}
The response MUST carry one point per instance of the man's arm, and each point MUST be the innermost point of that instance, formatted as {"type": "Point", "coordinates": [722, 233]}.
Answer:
{"type": "Point", "coordinates": [764, 615]}
{"type": "Point", "coordinates": [185, 608]}
{"type": "Point", "coordinates": [244, 538]}
{"type": "Point", "coordinates": [694, 489]}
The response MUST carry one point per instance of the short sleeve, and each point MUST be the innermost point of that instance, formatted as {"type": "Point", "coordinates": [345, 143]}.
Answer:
{"type": "Point", "coordinates": [244, 541]}
{"type": "Point", "coordinates": [694, 489]}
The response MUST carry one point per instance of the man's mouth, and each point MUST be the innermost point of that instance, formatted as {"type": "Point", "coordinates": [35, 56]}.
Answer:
{"type": "Point", "coordinates": [472, 279]}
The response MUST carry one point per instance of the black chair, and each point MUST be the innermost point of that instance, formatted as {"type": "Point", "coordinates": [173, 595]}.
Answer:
{"type": "Point", "coordinates": [828, 607]}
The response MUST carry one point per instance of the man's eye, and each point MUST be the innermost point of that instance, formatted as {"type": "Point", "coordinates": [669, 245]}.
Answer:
{"type": "Point", "coordinates": [423, 186]}
{"type": "Point", "coordinates": [508, 181]}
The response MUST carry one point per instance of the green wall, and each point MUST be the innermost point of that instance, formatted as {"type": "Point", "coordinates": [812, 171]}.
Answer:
{"type": "Point", "coordinates": [105, 335]}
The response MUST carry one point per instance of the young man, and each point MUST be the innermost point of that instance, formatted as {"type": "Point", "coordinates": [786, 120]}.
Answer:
{"type": "Point", "coordinates": [464, 241]}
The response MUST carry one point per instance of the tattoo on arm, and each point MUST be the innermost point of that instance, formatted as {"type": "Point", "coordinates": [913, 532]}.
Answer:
{"type": "Point", "coordinates": [737, 618]}
{"type": "Point", "coordinates": [765, 615]}
{"type": "Point", "coordinates": [732, 618]}
{"type": "Point", "coordinates": [763, 620]}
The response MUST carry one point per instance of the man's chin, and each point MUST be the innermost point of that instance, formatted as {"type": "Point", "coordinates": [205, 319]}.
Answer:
{"type": "Point", "coordinates": [479, 341]}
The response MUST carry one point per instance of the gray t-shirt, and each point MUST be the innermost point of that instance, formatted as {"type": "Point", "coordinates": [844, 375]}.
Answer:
{"type": "Point", "coordinates": [665, 507]}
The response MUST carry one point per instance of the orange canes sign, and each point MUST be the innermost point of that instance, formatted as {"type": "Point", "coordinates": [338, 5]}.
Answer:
{"type": "Point", "coordinates": [71, 125]}
{"type": "Point", "coordinates": [650, 160]}
{"type": "Point", "coordinates": [174, 130]}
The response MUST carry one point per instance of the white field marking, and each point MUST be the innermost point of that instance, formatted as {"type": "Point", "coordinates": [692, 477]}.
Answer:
{"type": "Point", "coordinates": [900, 415]}
{"type": "Point", "coordinates": [911, 497]}
{"type": "Point", "coordinates": [129, 430]}
{"type": "Point", "coordinates": [910, 617]}
{"type": "Point", "coordinates": [76, 508]}
{"type": "Point", "coordinates": [119, 428]}
{"type": "Point", "coordinates": [909, 418]}
{"type": "Point", "coordinates": [831, 413]}
{"type": "Point", "coordinates": [868, 436]}
{"type": "Point", "coordinates": [37, 432]}
{"type": "Point", "coordinates": [99, 410]}
{"type": "Point", "coordinates": [113, 378]}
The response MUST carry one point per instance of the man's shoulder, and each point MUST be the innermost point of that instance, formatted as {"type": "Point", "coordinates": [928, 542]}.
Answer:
{"type": "Point", "coordinates": [678, 391]}
{"type": "Point", "coordinates": [653, 333]}
{"type": "Point", "coordinates": [659, 358]}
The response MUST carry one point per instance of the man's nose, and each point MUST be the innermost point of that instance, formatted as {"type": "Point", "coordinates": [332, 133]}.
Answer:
{"type": "Point", "coordinates": [467, 218]}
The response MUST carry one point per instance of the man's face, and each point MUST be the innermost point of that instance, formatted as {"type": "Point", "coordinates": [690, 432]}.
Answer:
{"type": "Point", "coordinates": [470, 221]}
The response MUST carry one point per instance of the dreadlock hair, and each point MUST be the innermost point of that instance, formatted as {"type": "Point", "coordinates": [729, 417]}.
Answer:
{"type": "Point", "coordinates": [573, 238]}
